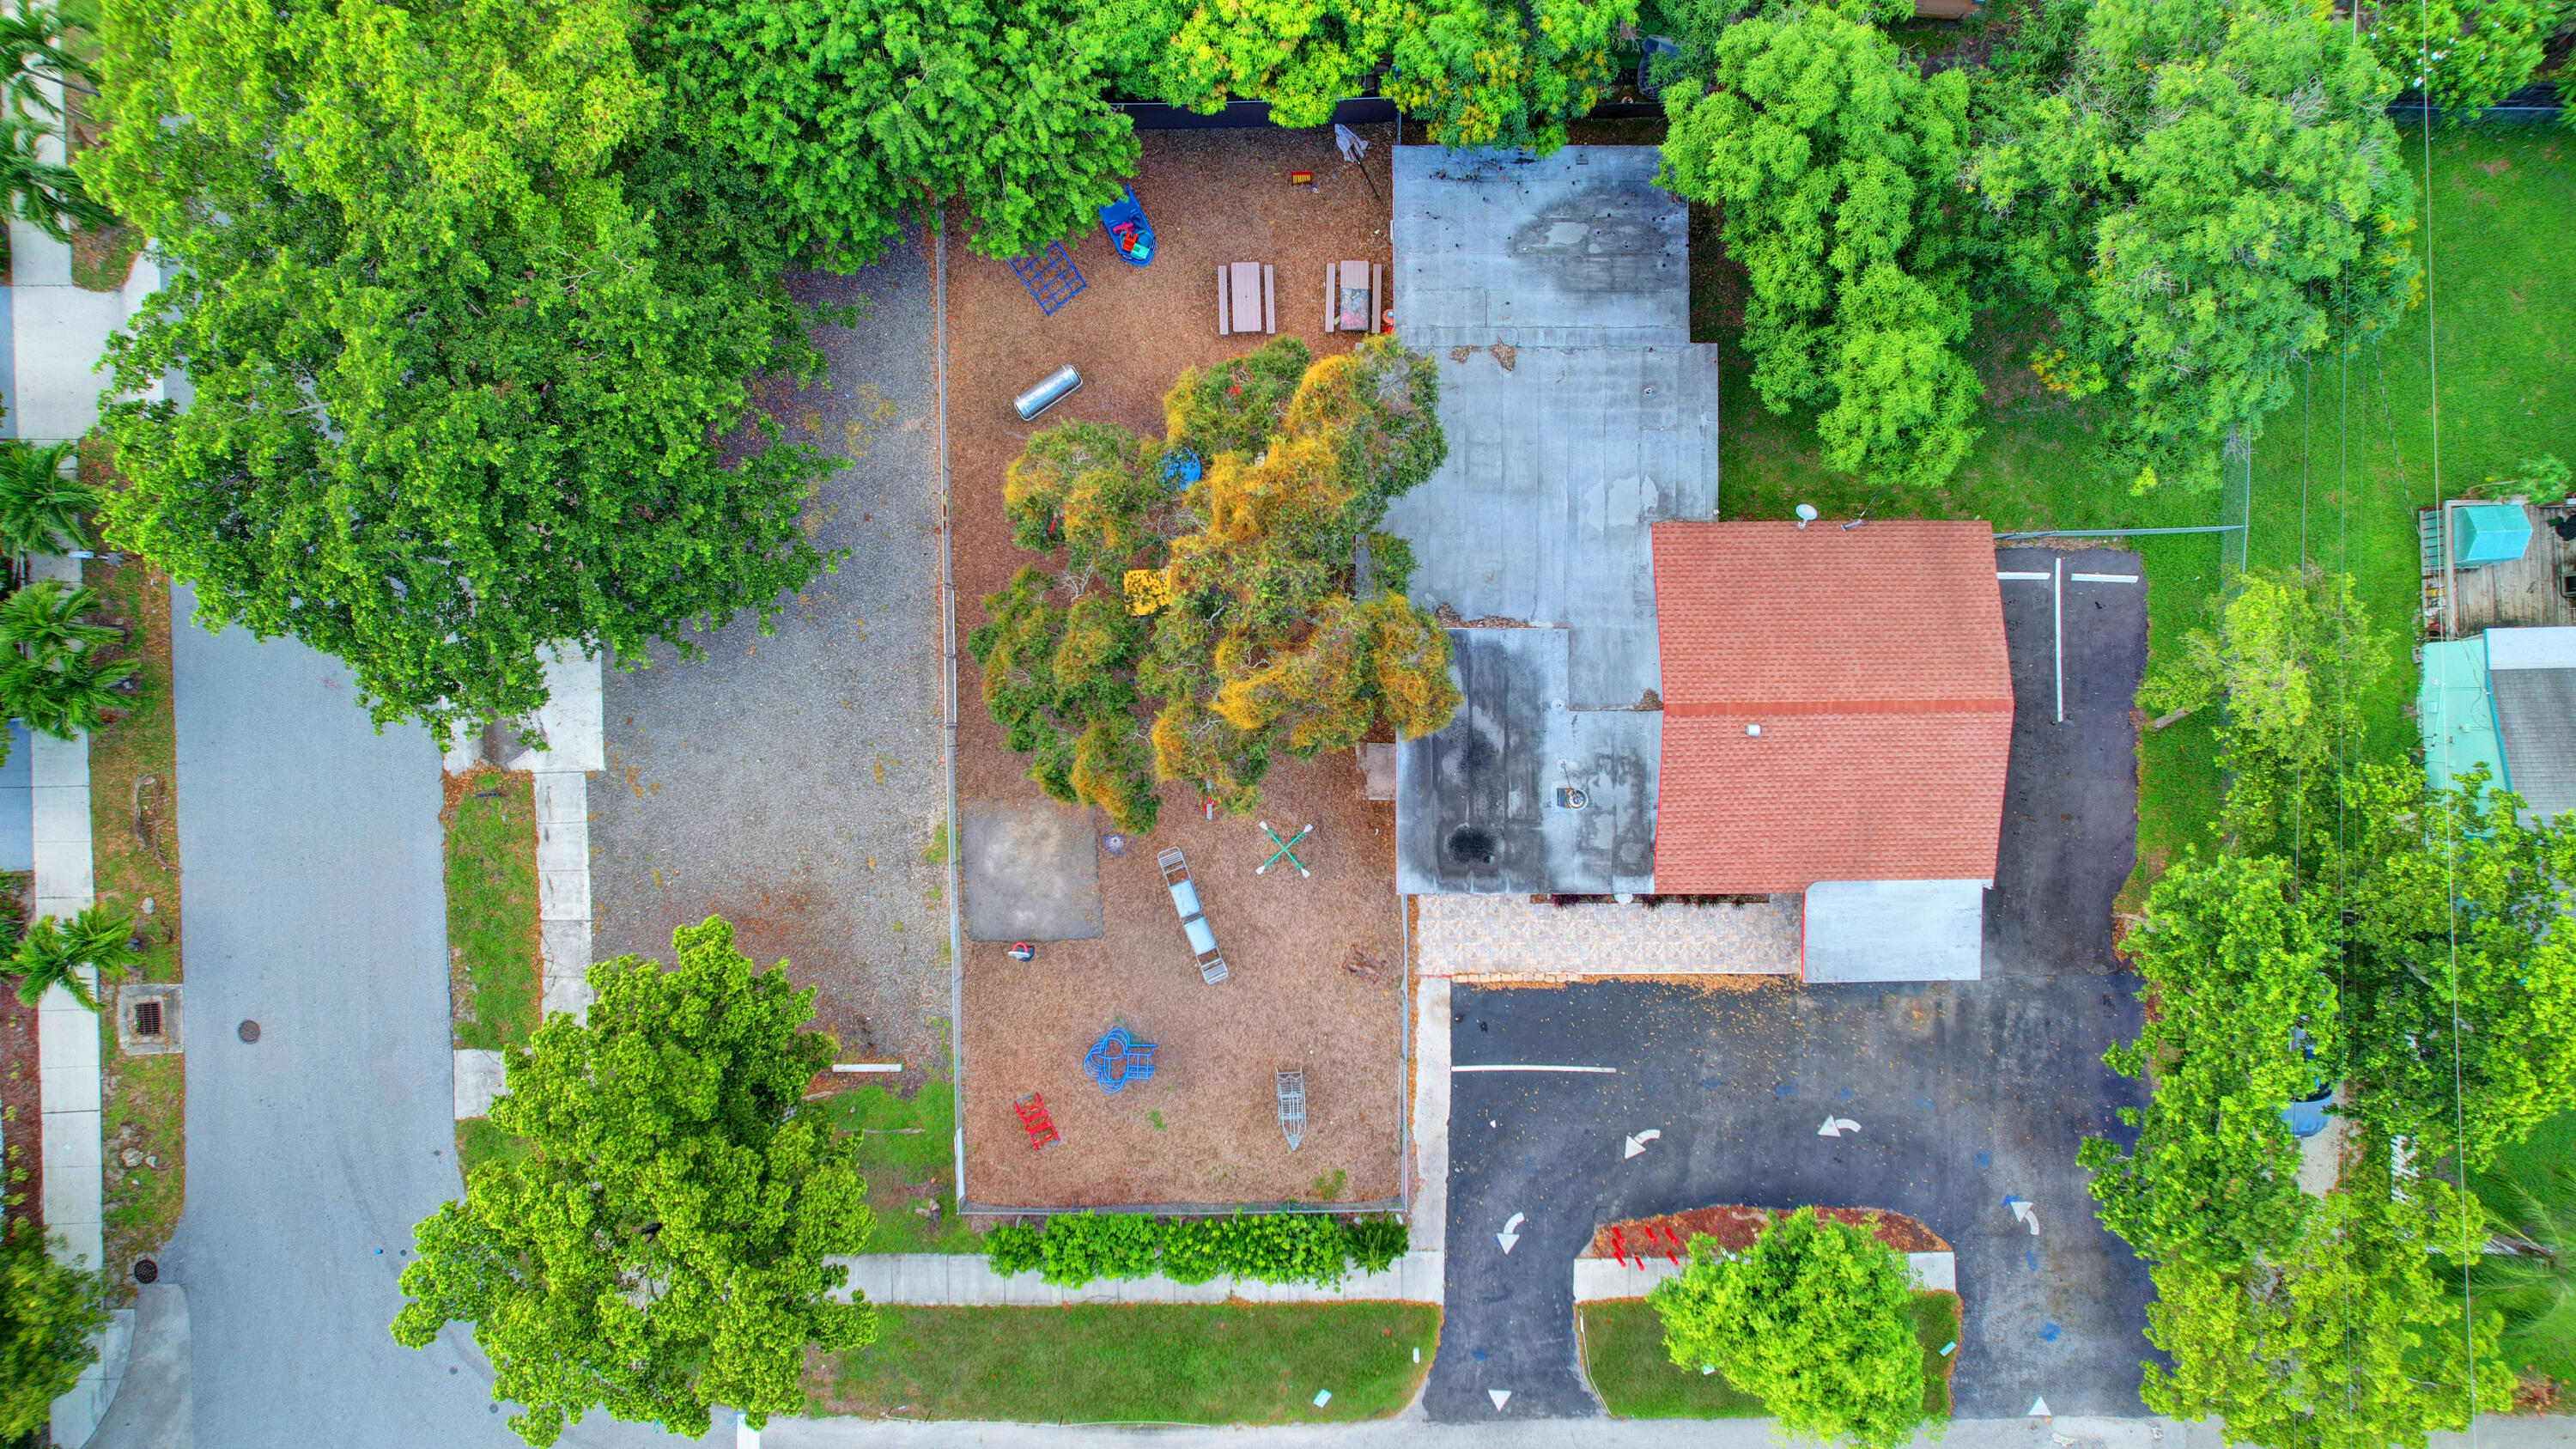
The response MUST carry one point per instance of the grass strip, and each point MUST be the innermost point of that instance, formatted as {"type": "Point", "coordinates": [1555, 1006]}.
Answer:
{"type": "Point", "coordinates": [904, 1154]}
{"type": "Point", "coordinates": [492, 908]}
{"type": "Point", "coordinates": [1623, 1353]}
{"type": "Point", "coordinates": [1229, 1363]}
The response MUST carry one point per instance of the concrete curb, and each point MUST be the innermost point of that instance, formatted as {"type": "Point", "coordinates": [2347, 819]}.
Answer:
{"type": "Point", "coordinates": [1598, 1279]}
{"type": "Point", "coordinates": [162, 1413]}
{"type": "Point", "coordinates": [967, 1280]}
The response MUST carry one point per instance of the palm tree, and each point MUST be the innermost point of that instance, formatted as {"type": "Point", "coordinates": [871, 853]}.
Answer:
{"type": "Point", "coordinates": [65, 696]}
{"type": "Point", "coordinates": [43, 620]}
{"type": "Point", "coordinates": [34, 44]}
{"type": "Point", "coordinates": [48, 194]}
{"type": "Point", "coordinates": [2528, 1272]}
{"type": "Point", "coordinates": [40, 508]}
{"type": "Point", "coordinates": [53, 951]}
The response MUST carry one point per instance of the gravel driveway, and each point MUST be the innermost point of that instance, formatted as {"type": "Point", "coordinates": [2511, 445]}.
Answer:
{"type": "Point", "coordinates": [792, 783]}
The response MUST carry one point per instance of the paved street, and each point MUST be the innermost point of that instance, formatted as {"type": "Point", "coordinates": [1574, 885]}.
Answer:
{"type": "Point", "coordinates": [790, 783]}
{"type": "Point", "coordinates": [311, 850]}
{"type": "Point", "coordinates": [1965, 1092]}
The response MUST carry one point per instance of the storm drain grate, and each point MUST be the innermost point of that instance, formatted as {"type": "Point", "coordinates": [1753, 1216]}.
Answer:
{"type": "Point", "coordinates": [147, 1018]}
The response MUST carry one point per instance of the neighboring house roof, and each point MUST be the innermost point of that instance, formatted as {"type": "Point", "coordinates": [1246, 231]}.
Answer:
{"type": "Point", "coordinates": [2456, 716]}
{"type": "Point", "coordinates": [1871, 660]}
{"type": "Point", "coordinates": [2532, 675]}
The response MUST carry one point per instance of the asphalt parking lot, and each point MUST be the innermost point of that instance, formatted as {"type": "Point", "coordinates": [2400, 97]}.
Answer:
{"type": "Point", "coordinates": [1966, 1093]}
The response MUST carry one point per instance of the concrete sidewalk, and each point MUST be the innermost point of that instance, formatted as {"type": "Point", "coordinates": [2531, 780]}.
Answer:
{"type": "Point", "coordinates": [962, 1280]}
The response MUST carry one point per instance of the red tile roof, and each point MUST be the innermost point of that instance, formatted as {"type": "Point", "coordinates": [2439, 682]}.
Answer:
{"type": "Point", "coordinates": [1873, 661]}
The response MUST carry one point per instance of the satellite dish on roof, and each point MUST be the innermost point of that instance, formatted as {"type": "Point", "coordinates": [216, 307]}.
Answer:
{"type": "Point", "coordinates": [1806, 514]}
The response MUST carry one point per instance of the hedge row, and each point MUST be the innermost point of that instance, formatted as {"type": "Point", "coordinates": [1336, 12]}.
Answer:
{"type": "Point", "coordinates": [1264, 1247]}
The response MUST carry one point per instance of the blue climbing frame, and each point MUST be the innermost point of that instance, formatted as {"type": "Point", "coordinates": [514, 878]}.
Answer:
{"type": "Point", "coordinates": [1050, 277]}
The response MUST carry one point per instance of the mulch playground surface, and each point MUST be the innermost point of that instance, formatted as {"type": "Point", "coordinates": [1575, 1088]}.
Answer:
{"type": "Point", "coordinates": [1204, 1129]}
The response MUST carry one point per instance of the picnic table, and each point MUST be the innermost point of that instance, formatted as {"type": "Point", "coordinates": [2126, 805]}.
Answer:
{"type": "Point", "coordinates": [1194, 925]}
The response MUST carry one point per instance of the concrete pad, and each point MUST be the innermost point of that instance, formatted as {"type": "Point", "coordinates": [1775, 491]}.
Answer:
{"type": "Point", "coordinates": [69, 1088]}
{"type": "Point", "coordinates": [154, 1407]}
{"type": "Point", "coordinates": [1895, 930]}
{"type": "Point", "coordinates": [563, 845]}
{"type": "Point", "coordinates": [1032, 871]}
{"type": "Point", "coordinates": [570, 721]}
{"type": "Point", "coordinates": [1428, 1229]}
{"type": "Point", "coordinates": [562, 797]}
{"type": "Point", "coordinates": [563, 895]}
{"type": "Point", "coordinates": [479, 1075]}
{"type": "Point", "coordinates": [35, 259]}
{"type": "Point", "coordinates": [69, 327]}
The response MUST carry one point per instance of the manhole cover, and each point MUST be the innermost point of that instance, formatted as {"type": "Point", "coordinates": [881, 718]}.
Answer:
{"type": "Point", "coordinates": [249, 1031]}
{"type": "Point", "coordinates": [145, 1270]}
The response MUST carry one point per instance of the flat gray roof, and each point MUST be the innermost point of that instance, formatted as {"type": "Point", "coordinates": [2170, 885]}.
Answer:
{"type": "Point", "coordinates": [2535, 713]}
{"type": "Point", "coordinates": [1595, 419]}
{"type": "Point", "coordinates": [1894, 930]}
{"type": "Point", "coordinates": [1478, 806]}
{"type": "Point", "coordinates": [1578, 250]}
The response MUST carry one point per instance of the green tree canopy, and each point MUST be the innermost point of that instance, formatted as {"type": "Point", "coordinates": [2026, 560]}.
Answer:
{"type": "Point", "coordinates": [1812, 1321]}
{"type": "Point", "coordinates": [2461, 975]}
{"type": "Point", "coordinates": [2233, 968]}
{"type": "Point", "coordinates": [1502, 73]}
{"type": "Point", "coordinates": [466, 324]}
{"type": "Point", "coordinates": [1302, 56]}
{"type": "Point", "coordinates": [2291, 660]}
{"type": "Point", "coordinates": [1253, 629]}
{"type": "Point", "coordinates": [2211, 192]}
{"type": "Point", "coordinates": [2468, 53]}
{"type": "Point", "coordinates": [47, 1314]}
{"type": "Point", "coordinates": [2342, 1337]}
{"type": "Point", "coordinates": [851, 111]}
{"type": "Point", "coordinates": [1830, 154]}
{"type": "Point", "coordinates": [661, 1248]}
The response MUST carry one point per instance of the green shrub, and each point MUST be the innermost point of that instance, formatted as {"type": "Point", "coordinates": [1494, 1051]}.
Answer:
{"type": "Point", "coordinates": [1087, 1245]}
{"type": "Point", "coordinates": [1011, 1250]}
{"type": "Point", "coordinates": [1263, 1247]}
{"type": "Point", "coordinates": [1377, 1241]}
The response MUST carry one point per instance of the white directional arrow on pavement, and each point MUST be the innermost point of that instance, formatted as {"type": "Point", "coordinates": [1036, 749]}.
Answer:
{"type": "Point", "coordinates": [1510, 1234]}
{"type": "Point", "coordinates": [2024, 1212]}
{"type": "Point", "coordinates": [1837, 1126]}
{"type": "Point", "coordinates": [1500, 1398]}
{"type": "Point", "coordinates": [2039, 1410]}
{"type": "Point", "coordinates": [1638, 1143]}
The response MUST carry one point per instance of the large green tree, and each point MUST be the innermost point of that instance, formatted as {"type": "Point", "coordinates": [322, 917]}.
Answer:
{"type": "Point", "coordinates": [2461, 974]}
{"type": "Point", "coordinates": [2234, 969]}
{"type": "Point", "coordinates": [1238, 601]}
{"type": "Point", "coordinates": [2291, 661]}
{"type": "Point", "coordinates": [1812, 1321]}
{"type": "Point", "coordinates": [849, 111]}
{"type": "Point", "coordinates": [2467, 53]}
{"type": "Point", "coordinates": [467, 324]}
{"type": "Point", "coordinates": [47, 1314]}
{"type": "Point", "coordinates": [2341, 1337]}
{"type": "Point", "coordinates": [1831, 156]}
{"type": "Point", "coordinates": [1302, 56]}
{"type": "Point", "coordinates": [660, 1249]}
{"type": "Point", "coordinates": [2210, 192]}
{"type": "Point", "coordinates": [1502, 73]}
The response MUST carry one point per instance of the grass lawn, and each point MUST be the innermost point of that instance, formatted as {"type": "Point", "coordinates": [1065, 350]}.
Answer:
{"type": "Point", "coordinates": [1623, 1355]}
{"type": "Point", "coordinates": [492, 909]}
{"type": "Point", "coordinates": [904, 1152]}
{"type": "Point", "coordinates": [2544, 1164]}
{"type": "Point", "coordinates": [134, 840]}
{"type": "Point", "coordinates": [2335, 478]}
{"type": "Point", "coordinates": [1231, 1363]}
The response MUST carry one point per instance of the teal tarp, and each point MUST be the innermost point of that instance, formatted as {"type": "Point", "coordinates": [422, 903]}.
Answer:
{"type": "Point", "coordinates": [2486, 533]}
{"type": "Point", "coordinates": [2457, 715]}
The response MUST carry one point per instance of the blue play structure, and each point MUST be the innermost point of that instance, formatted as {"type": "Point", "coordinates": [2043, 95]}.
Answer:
{"type": "Point", "coordinates": [1050, 277]}
{"type": "Point", "coordinates": [1181, 468]}
{"type": "Point", "coordinates": [1128, 230]}
{"type": "Point", "coordinates": [1117, 1059]}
